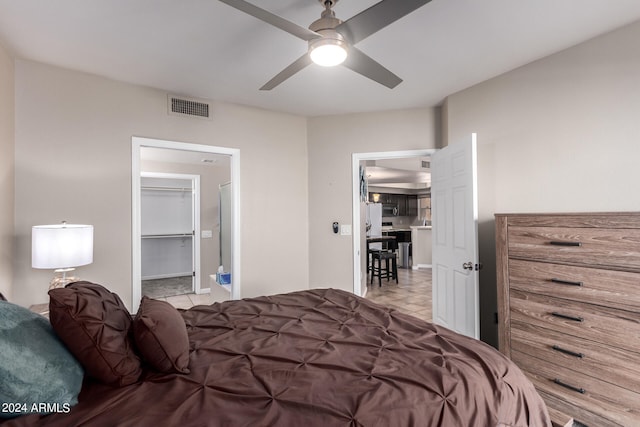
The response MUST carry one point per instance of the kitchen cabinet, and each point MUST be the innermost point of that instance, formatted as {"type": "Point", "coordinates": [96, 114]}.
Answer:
{"type": "Point", "coordinates": [402, 204]}
{"type": "Point", "coordinates": [401, 236]}
{"type": "Point", "coordinates": [406, 204]}
{"type": "Point", "coordinates": [411, 203]}
{"type": "Point", "coordinates": [382, 198]}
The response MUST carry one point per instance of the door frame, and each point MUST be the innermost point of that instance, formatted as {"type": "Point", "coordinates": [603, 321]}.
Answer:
{"type": "Point", "coordinates": [136, 144]}
{"type": "Point", "coordinates": [195, 218]}
{"type": "Point", "coordinates": [356, 158]}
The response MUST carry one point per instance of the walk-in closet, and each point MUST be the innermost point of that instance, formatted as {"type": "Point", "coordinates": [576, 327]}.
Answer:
{"type": "Point", "coordinates": [168, 226]}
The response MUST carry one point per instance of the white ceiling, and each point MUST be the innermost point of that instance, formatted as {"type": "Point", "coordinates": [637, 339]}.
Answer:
{"type": "Point", "coordinates": [408, 173]}
{"type": "Point", "coordinates": [206, 49]}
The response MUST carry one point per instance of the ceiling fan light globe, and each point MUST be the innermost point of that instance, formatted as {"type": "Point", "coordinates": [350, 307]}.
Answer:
{"type": "Point", "coordinates": [328, 54]}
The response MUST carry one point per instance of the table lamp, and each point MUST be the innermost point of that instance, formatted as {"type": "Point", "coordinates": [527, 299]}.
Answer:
{"type": "Point", "coordinates": [61, 247]}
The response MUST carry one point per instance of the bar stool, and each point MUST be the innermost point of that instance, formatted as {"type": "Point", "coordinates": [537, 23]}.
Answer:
{"type": "Point", "coordinates": [389, 271]}
{"type": "Point", "coordinates": [371, 251]}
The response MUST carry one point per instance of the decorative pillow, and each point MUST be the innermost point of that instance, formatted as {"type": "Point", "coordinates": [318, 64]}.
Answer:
{"type": "Point", "coordinates": [37, 372]}
{"type": "Point", "coordinates": [161, 336]}
{"type": "Point", "coordinates": [94, 324]}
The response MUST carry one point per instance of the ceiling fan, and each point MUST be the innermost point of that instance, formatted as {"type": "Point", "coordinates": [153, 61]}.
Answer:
{"type": "Point", "coordinates": [331, 40]}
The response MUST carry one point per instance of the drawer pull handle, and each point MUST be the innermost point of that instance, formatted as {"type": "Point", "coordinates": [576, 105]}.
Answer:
{"type": "Point", "coordinates": [568, 317]}
{"type": "Point", "coordinates": [569, 352]}
{"type": "Point", "coordinates": [569, 386]}
{"type": "Point", "coordinates": [561, 243]}
{"type": "Point", "coordinates": [566, 282]}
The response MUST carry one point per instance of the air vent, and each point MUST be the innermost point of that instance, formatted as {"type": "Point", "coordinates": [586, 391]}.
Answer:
{"type": "Point", "coordinates": [192, 107]}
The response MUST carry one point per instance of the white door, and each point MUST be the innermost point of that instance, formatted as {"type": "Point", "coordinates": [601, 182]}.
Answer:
{"type": "Point", "coordinates": [454, 205]}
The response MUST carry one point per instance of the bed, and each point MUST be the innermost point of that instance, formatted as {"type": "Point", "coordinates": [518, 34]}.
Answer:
{"type": "Point", "coordinates": [321, 357]}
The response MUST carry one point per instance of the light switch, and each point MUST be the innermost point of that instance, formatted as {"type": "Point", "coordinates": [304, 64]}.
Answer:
{"type": "Point", "coordinates": [345, 230]}
{"type": "Point", "coordinates": [206, 234]}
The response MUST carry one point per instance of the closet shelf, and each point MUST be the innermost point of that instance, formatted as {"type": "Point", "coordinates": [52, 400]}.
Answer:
{"type": "Point", "coordinates": [165, 236]}
{"type": "Point", "coordinates": [188, 190]}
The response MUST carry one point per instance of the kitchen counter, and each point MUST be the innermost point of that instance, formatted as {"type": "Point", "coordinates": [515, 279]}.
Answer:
{"type": "Point", "coordinates": [421, 242]}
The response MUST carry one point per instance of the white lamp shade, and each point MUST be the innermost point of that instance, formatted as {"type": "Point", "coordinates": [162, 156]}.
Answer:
{"type": "Point", "coordinates": [61, 245]}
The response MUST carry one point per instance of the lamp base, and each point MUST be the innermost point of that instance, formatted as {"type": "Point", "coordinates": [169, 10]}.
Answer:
{"type": "Point", "coordinates": [60, 280]}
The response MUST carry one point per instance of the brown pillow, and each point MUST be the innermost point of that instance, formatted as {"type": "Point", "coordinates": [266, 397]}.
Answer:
{"type": "Point", "coordinates": [161, 336]}
{"type": "Point", "coordinates": [94, 324]}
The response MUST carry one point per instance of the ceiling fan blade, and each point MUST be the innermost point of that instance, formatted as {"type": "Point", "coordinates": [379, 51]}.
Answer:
{"type": "Point", "coordinates": [275, 20]}
{"type": "Point", "coordinates": [377, 17]}
{"type": "Point", "coordinates": [283, 75]}
{"type": "Point", "coordinates": [365, 65]}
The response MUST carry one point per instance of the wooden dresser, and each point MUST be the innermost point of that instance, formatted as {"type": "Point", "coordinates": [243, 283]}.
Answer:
{"type": "Point", "coordinates": [569, 310]}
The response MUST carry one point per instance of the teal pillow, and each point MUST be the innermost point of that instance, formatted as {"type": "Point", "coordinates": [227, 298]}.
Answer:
{"type": "Point", "coordinates": [37, 372]}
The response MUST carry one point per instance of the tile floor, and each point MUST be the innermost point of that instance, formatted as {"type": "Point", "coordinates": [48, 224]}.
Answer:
{"type": "Point", "coordinates": [189, 300]}
{"type": "Point", "coordinates": [162, 288]}
{"type": "Point", "coordinates": [412, 294]}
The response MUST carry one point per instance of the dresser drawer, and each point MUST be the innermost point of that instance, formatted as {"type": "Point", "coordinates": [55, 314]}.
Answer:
{"type": "Point", "coordinates": [610, 364]}
{"type": "Point", "coordinates": [617, 328]}
{"type": "Point", "coordinates": [619, 289]}
{"type": "Point", "coordinates": [594, 247]}
{"type": "Point", "coordinates": [596, 403]}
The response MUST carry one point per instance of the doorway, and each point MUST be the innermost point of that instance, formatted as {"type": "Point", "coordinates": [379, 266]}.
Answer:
{"type": "Point", "coordinates": [170, 222]}
{"type": "Point", "coordinates": [455, 262]}
{"type": "Point", "coordinates": [154, 158]}
{"type": "Point", "coordinates": [358, 208]}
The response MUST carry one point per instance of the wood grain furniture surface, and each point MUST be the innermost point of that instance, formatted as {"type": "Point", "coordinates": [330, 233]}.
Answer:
{"type": "Point", "coordinates": [569, 311]}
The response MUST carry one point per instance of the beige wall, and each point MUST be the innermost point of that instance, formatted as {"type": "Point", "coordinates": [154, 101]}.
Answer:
{"type": "Point", "coordinates": [561, 134]}
{"type": "Point", "coordinates": [73, 162]}
{"type": "Point", "coordinates": [6, 171]}
{"type": "Point", "coordinates": [332, 140]}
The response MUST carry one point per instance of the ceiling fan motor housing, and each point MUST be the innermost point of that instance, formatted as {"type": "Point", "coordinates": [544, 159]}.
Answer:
{"type": "Point", "coordinates": [325, 26]}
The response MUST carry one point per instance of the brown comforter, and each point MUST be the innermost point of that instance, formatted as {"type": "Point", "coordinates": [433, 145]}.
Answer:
{"type": "Point", "coordinates": [316, 358]}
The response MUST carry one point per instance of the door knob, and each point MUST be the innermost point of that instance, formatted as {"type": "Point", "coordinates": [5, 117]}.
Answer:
{"type": "Point", "coordinates": [468, 265]}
